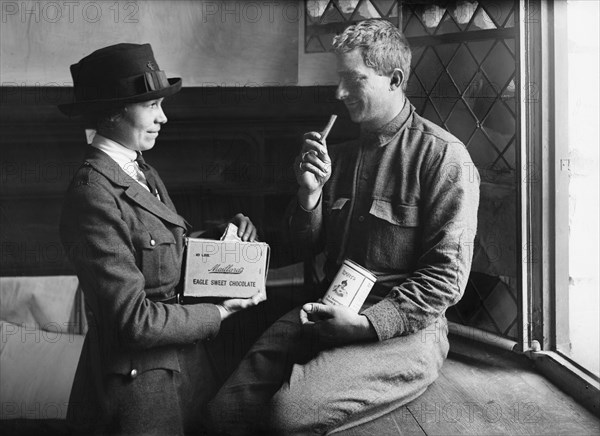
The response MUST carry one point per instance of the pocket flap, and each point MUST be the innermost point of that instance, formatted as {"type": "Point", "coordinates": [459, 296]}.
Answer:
{"type": "Point", "coordinates": [399, 214]}
{"type": "Point", "coordinates": [339, 203]}
{"type": "Point", "coordinates": [145, 360]}
{"type": "Point", "coordinates": [158, 237]}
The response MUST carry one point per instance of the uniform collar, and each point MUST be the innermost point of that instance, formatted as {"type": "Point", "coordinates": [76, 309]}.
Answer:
{"type": "Point", "coordinates": [107, 166]}
{"type": "Point", "coordinates": [123, 156]}
{"type": "Point", "coordinates": [385, 134]}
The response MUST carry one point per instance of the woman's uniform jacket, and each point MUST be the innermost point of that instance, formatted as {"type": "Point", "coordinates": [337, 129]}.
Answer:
{"type": "Point", "coordinates": [127, 247]}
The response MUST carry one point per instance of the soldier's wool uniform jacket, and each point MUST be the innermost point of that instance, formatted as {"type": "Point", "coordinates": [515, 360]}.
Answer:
{"type": "Point", "coordinates": [401, 202]}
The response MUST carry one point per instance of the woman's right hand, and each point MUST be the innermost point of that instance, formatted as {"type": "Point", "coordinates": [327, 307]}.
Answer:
{"type": "Point", "coordinates": [233, 305]}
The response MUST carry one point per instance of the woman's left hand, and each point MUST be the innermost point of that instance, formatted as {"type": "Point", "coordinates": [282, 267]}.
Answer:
{"type": "Point", "coordinates": [246, 230]}
{"type": "Point", "coordinates": [233, 305]}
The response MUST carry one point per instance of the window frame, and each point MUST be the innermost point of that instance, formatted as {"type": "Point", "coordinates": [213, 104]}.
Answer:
{"type": "Point", "coordinates": [544, 188]}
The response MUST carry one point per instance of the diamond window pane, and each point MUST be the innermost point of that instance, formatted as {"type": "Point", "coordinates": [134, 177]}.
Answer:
{"type": "Point", "coordinates": [510, 43]}
{"type": "Point", "coordinates": [314, 45]}
{"type": "Point", "coordinates": [428, 69]}
{"type": "Point", "coordinates": [498, 11]}
{"type": "Point", "coordinates": [461, 122]}
{"type": "Point", "coordinates": [443, 106]}
{"type": "Point", "coordinates": [462, 13]}
{"type": "Point", "coordinates": [332, 15]}
{"type": "Point", "coordinates": [417, 53]}
{"type": "Point", "coordinates": [414, 27]}
{"type": "Point", "coordinates": [501, 120]}
{"type": "Point", "coordinates": [445, 90]}
{"type": "Point", "coordinates": [484, 321]}
{"type": "Point", "coordinates": [386, 7]}
{"type": "Point", "coordinates": [314, 10]}
{"type": "Point", "coordinates": [365, 10]}
{"type": "Point", "coordinates": [503, 160]}
{"type": "Point", "coordinates": [508, 93]}
{"type": "Point", "coordinates": [499, 66]}
{"type": "Point", "coordinates": [510, 21]}
{"type": "Point", "coordinates": [431, 17]}
{"type": "Point", "coordinates": [430, 113]}
{"type": "Point", "coordinates": [481, 21]}
{"type": "Point", "coordinates": [418, 103]}
{"type": "Point", "coordinates": [482, 150]}
{"type": "Point", "coordinates": [481, 96]}
{"type": "Point", "coordinates": [327, 40]}
{"type": "Point", "coordinates": [347, 7]}
{"type": "Point", "coordinates": [447, 25]}
{"type": "Point", "coordinates": [509, 154]}
{"type": "Point", "coordinates": [407, 14]}
{"type": "Point", "coordinates": [462, 68]}
{"type": "Point", "coordinates": [480, 49]}
{"type": "Point", "coordinates": [445, 52]}
{"type": "Point", "coordinates": [414, 88]}
{"type": "Point", "coordinates": [510, 102]}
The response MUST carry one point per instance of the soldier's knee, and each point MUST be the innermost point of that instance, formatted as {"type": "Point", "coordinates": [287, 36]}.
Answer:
{"type": "Point", "coordinates": [289, 414]}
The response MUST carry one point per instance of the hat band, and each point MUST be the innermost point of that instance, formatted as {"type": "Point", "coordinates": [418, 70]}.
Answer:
{"type": "Point", "coordinates": [124, 88]}
{"type": "Point", "coordinates": [156, 80]}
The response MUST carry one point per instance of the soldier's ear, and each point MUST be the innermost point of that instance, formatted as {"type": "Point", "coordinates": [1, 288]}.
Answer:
{"type": "Point", "coordinates": [397, 79]}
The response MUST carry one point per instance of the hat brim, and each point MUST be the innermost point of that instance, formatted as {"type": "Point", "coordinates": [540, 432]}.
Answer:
{"type": "Point", "coordinates": [77, 108]}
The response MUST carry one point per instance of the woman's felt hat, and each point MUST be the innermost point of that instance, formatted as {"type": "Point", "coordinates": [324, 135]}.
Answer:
{"type": "Point", "coordinates": [118, 74]}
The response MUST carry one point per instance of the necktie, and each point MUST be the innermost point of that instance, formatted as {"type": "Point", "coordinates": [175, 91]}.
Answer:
{"type": "Point", "coordinates": [144, 168]}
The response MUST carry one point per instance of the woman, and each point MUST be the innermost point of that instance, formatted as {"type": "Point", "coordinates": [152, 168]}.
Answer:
{"type": "Point", "coordinates": [143, 368]}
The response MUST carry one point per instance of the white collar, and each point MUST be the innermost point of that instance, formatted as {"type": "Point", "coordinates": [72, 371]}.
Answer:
{"type": "Point", "coordinates": [124, 157]}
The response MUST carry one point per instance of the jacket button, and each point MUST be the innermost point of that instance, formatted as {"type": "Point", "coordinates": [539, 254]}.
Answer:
{"type": "Point", "coordinates": [152, 242]}
{"type": "Point", "coordinates": [361, 219]}
{"type": "Point", "coordinates": [133, 373]}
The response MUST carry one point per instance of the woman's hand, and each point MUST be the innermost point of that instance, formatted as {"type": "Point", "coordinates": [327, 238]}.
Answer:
{"type": "Point", "coordinates": [313, 169]}
{"type": "Point", "coordinates": [233, 305]}
{"type": "Point", "coordinates": [246, 230]}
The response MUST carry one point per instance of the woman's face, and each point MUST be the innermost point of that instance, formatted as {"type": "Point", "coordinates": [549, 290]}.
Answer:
{"type": "Point", "coordinates": [138, 128]}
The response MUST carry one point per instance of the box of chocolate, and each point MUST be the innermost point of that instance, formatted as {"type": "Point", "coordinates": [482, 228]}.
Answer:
{"type": "Point", "coordinates": [226, 268]}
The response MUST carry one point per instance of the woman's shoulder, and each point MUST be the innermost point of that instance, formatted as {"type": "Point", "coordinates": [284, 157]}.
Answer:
{"type": "Point", "coordinates": [88, 185]}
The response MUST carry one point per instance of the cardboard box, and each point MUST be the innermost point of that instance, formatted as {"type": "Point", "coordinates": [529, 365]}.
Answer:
{"type": "Point", "coordinates": [225, 269]}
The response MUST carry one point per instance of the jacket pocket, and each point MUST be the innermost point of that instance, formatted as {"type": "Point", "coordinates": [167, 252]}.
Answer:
{"type": "Point", "coordinates": [138, 362]}
{"type": "Point", "coordinates": [159, 258]}
{"type": "Point", "coordinates": [336, 224]}
{"type": "Point", "coordinates": [393, 236]}
{"type": "Point", "coordinates": [402, 215]}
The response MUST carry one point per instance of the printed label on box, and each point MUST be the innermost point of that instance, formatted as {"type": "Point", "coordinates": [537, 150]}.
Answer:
{"type": "Point", "coordinates": [225, 269]}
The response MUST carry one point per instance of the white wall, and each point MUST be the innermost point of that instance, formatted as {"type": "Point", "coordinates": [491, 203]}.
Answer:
{"type": "Point", "coordinates": [228, 43]}
{"type": "Point", "coordinates": [314, 68]}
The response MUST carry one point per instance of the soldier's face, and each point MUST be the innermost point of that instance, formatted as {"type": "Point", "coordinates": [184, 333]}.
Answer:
{"type": "Point", "coordinates": [365, 92]}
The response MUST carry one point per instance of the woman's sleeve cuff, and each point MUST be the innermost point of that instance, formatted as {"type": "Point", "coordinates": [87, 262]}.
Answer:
{"type": "Point", "coordinates": [209, 321]}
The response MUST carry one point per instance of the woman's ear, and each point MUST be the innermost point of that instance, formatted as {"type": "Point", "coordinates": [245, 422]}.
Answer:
{"type": "Point", "coordinates": [397, 79]}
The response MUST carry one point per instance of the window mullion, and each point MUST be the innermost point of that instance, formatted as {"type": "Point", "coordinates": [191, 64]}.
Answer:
{"type": "Point", "coordinates": [559, 266]}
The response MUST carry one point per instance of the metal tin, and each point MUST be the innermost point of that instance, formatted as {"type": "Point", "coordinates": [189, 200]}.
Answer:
{"type": "Point", "coordinates": [350, 287]}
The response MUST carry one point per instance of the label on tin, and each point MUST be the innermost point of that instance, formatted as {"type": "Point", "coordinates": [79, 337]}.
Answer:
{"type": "Point", "coordinates": [350, 287]}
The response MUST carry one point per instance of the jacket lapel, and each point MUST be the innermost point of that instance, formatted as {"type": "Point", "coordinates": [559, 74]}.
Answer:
{"type": "Point", "coordinates": [149, 202]}
{"type": "Point", "coordinates": [109, 169]}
